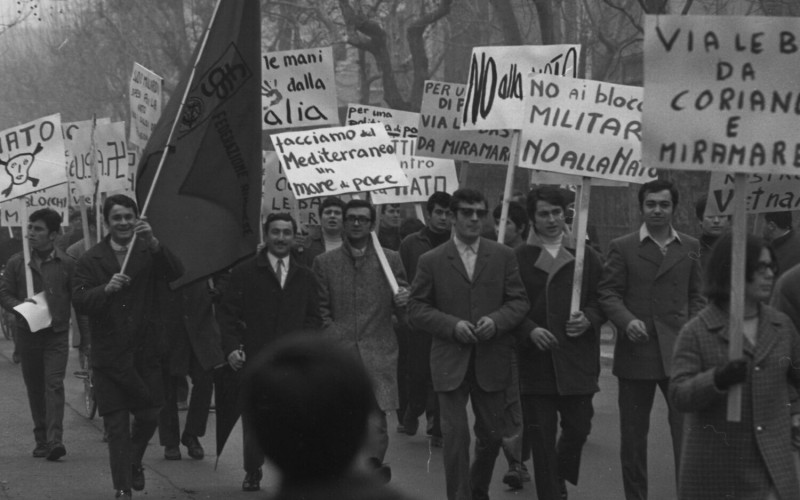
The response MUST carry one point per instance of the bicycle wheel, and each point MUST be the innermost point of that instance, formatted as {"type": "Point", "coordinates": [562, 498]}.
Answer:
{"type": "Point", "coordinates": [88, 396]}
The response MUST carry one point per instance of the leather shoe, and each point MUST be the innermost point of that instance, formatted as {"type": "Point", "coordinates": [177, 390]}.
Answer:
{"type": "Point", "coordinates": [172, 453]}
{"type": "Point", "coordinates": [40, 451]}
{"type": "Point", "coordinates": [137, 478]}
{"type": "Point", "coordinates": [513, 479]}
{"type": "Point", "coordinates": [193, 446]}
{"type": "Point", "coordinates": [55, 451]}
{"type": "Point", "coordinates": [123, 494]}
{"type": "Point", "coordinates": [252, 481]}
{"type": "Point", "coordinates": [410, 426]}
{"type": "Point", "coordinates": [382, 471]}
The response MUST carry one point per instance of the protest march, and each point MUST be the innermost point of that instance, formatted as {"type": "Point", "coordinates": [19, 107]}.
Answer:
{"type": "Point", "coordinates": [347, 239]}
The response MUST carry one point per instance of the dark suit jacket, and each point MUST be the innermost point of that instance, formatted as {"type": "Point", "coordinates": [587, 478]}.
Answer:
{"type": "Point", "coordinates": [663, 291]}
{"type": "Point", "coordinates": [442, 295]}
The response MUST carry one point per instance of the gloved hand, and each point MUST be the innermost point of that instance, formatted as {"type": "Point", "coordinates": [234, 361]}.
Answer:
{"type": "Point", "coordinates": [731, 373]}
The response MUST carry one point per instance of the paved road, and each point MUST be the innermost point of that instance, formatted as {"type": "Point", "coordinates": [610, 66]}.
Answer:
{"type": "Point", "coordinates": [417, 470]}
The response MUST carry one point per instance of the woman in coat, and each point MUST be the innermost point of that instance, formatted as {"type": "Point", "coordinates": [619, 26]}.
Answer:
{"type": "Point", "coordinates": [751, 459]}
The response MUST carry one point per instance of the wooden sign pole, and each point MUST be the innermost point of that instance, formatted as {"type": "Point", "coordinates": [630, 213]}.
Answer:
{"type": "Point", "coordinates": [736, 305]}
{"type": "Point", "coordinates": [581, 217]}
{"type": "Point", "coordinates": [509, 187]}
{"type": "Point", "coordinates": [26, 247]}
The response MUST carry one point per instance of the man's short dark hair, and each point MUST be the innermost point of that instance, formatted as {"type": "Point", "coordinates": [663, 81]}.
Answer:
{"type": "Point", "coordinates": [438, 198]}
{"type": "Point", "coordinates": [655, 187]}
{"type": "Point", "coordinates": [553, 195]}
{"type": "Point", "coordinates": [273, 216]}
{"type": "Point", "coordinates": [310, 401]}
{"type": "Point", "coordinates": [121, 200]}
{"type": "Point", "coordinates": [466, 195]}
{"type": "Point", "coordinates": [331, 201]}
{"type": "Point", "coordinates": [359, 203]}
{"type": "Point", "coordinates": [517, 214]}
{"type": "Point", "coordinates": [782, 220]}
{"type": "Point", "coordinates": [50, 217]}
{"type": "Point", "coordinates": [718, 272]}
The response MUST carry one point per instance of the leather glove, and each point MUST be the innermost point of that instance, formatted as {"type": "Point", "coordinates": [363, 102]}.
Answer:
{"type": "Point", "coordinates": [731, 373]}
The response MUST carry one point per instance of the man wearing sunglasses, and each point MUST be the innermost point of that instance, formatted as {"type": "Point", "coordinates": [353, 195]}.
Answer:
{"type": "Point", "coordinates": [468, 295]}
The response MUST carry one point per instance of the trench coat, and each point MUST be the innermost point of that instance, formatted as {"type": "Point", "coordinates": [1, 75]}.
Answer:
{"type": "Point", "coordinates": [356, 304]}
{"type": "Point", "coordinates": [737, 460]}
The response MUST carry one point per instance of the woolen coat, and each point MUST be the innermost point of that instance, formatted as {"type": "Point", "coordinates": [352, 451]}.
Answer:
{"type": "Point", "coordinates": [722, 459]}
{"type": "Point", "coordinates": [127, 326]}
{"type": "Point", "coordinates": [572, 368]}
{"type": "Point", "coordinates": [443, 294]}
{"type": "Point", "coordinates": [356, 304]}
{"type": "Point", "coordinates": [663, 291]}
{"type": "Point", "coordinates": [786, 295]}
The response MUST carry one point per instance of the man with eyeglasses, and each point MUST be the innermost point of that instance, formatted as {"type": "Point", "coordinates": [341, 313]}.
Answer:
{"type": "Point", "coordinates": [711, 228]}
{"type": "Point", "coordinates": [468, 295]}
{"type": "Point", "coordinates": [356, 304]}
{"type": "Point", "coordinates": [651, 287]}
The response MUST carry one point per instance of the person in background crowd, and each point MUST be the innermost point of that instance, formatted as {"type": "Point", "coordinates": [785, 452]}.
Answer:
{"type": "Point", "coordinates": [651, 286]}
{"type": "Point", "coordinates": [711, 228]}
{"type": "Point", "coordinates": [357, 304]}
{"type": "Point", "coordinates": [786, 297]}
{"type": "Point", "coordinates": [517, 225]}
{"type": "Point", "coordinates": [127, 346]}
{"type": "Point", "coordinates": [81, 337]}
{"type": "Point", "coordinates": [420, 388]}
{"type": "Point", "coordinates": [312, 400]}
{"type": "Point", "coordinates": [330, 235]}
{"type": "Point", "coordinates": [389, 228]}
{"type": "Point", "coordinates": [559, 350]}
{"type": "Point", "coordinates": [195, 348]}
{"type": "Point", "coordinates": [783, 239]}
{"type": "Point", "coordinates": [751, 458]}
{"type": "Point", "coordinates": [468, 295]}
{"type": "Point", "coordinates": [266, 297]}
{"type": "Point", "coordinates": [8, 248]}
{"type": "Point", "coordinates": [42, 353]}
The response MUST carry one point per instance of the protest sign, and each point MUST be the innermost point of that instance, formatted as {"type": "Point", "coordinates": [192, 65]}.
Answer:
{"type": "Point", "coordinates": [722, 93]}
{"type": "Point", "coordinates": [397, 123]}
{"type": "Point", "coordinates": [80, 167]}
{"type": "Point", "coordinates": [298, 89]}
{"type": "Point", "coordinates": [583, 127]}
{"type": "Point", "coordinates": [763, 193]}
{"type": "Point", "coordinates": [145, 98]}
{"type": "Point", "coordinates": [440, 133]}
{"type": "Point", "coordinates": [277, 197]}
{"type": "Point", "coordinates": [32, 156]}
{"type": "Point", "coordinates": [55, 197]}
{"type": "Point", "coordinates": [496, 75]}
{"type": "Point", "coordinates": [339, 160]}
{"type": "Point", "coordinates": [112, 157]}
{"type": "Point", "coordinates": [425, 176]}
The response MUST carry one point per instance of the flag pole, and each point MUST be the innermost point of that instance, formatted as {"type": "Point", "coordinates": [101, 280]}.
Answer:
{"type": "Point", "coordinates": [143, 208]}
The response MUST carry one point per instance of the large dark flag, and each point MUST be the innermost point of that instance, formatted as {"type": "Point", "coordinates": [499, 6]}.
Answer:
{"type": "Point", "coordinates": [206, 203]}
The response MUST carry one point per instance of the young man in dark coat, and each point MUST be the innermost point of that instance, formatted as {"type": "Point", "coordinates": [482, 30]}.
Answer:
{"type": "Point", "coordinates": [267, 297]}
{"type": "Point", "coordinates": [124, 314]}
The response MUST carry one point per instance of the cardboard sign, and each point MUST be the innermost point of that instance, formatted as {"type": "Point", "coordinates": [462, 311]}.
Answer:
{"type": "Point", "coordinates": [55, 197]}
{"type": "Point", "coordinates": [722, 93]}
{"type": "Point", "coordinates": [112, 157]}
{"type": "Point", "coordinates": [145, 98]}
{"type": "Point", "coordinates": [298, 89]}
{"type": "Point", "coordinates": [277, 197]}
{"type": "Point", "coordinates": [425, 177]}
{"type": "Point", "coordinates": [80, 167]}
{"type": "Point", "coordinates": [440, 133]}
{"type": "Point", "coordinates": [397, 123]}
{"type": "Point", "coordinates": [583, 127]}
{"type": "Point", "coordinates": [496, 75]}
{"type": "Point", "coordinates": [765, 193]}
{"type": "Point", "coordinates": [339, 160]}
{"type": "Point", "coordinates": [32, 156]}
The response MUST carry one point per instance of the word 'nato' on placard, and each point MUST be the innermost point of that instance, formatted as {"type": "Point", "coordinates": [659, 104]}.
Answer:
{"type": "Point", "coordinates": [425, 177]}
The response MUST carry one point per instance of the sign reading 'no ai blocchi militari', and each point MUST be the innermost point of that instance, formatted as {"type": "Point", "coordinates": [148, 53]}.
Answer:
{"type": "Point", "coordinates": [32, 157]}
{"type": "Point", "coordinates": [145, 97]}
{"type": "Point", "coordinates": [583, 127]}
{"type": "Point", "coordinates": [440, 133]}
{"type": "Point", "coordinates": [298, 89]}
{"type": "Point", "coordinates": [496, 76]}
{"type": "Point", "coordinates": [332, 161]}
{"type": "Point", "coordinates": [765, 193]}
{"type": "Point", "coordinates": [722, 93]}
{"type": "Point", "coordinates": [397, 123]}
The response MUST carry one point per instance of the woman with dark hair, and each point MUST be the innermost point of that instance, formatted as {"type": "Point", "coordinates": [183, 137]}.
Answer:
{"type": "Point", "coordinates": [750, 459]}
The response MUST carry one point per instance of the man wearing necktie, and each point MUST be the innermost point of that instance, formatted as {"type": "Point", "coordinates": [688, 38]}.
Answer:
{"type": "Point", "coordinates": [468, 295]}
{"type": "Point", "coordinates": [268, 296]}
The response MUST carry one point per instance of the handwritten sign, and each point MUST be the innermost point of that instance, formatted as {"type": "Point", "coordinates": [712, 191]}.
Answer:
{"type": "Point", "coordinates": [425, 177]}
{"type": "Point", "coordinates": [722, 93]}
{"type": "Point", "coordinates": [32, 156]}
{"type": "Point", "coordinates": [397, 123]}
{"type": "Point", "coordinates": [55, 197]}
{"type": "Point", "coordinates": [277, 197]}
{"type": "Point", "coordinates": [496, 75]}
{"type": "Point", "coordinates": [80, 167]}
{"type": "Point", "coordinates": [112, 157]}
{"type": "Point", "coordinates": [765, 193]}
{"type": "Point", "coordinates": [583, 127]}
{"type": "Point", "coordinates": [298, 89]}
{"type": "Point", "coordinates": [440, 133]}
{"type": "Point", "coordinates": [145, 99]}
{"type": "Point", "coordinates": [338, 160]}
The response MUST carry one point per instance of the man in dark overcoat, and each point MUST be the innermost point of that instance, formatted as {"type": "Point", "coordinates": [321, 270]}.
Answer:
{"type": "Point", "coordinates": [124, 316]}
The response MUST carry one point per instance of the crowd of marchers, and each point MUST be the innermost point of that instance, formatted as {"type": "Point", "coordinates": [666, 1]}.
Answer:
{"type": "Point", "coordinates": [323, 345]}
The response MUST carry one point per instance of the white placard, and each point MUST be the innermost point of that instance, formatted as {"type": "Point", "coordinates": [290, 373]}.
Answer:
{"type": "Point", "coordinates": [277, 197]}
{"type": "Point", "coordinates": [398, 123]}
{"type": "Point", "coordinates": [425, 176]}
{"type": "Point", "coordinates": [765, 193]}
{"type": "Point", "coordinates": [145, 99]}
